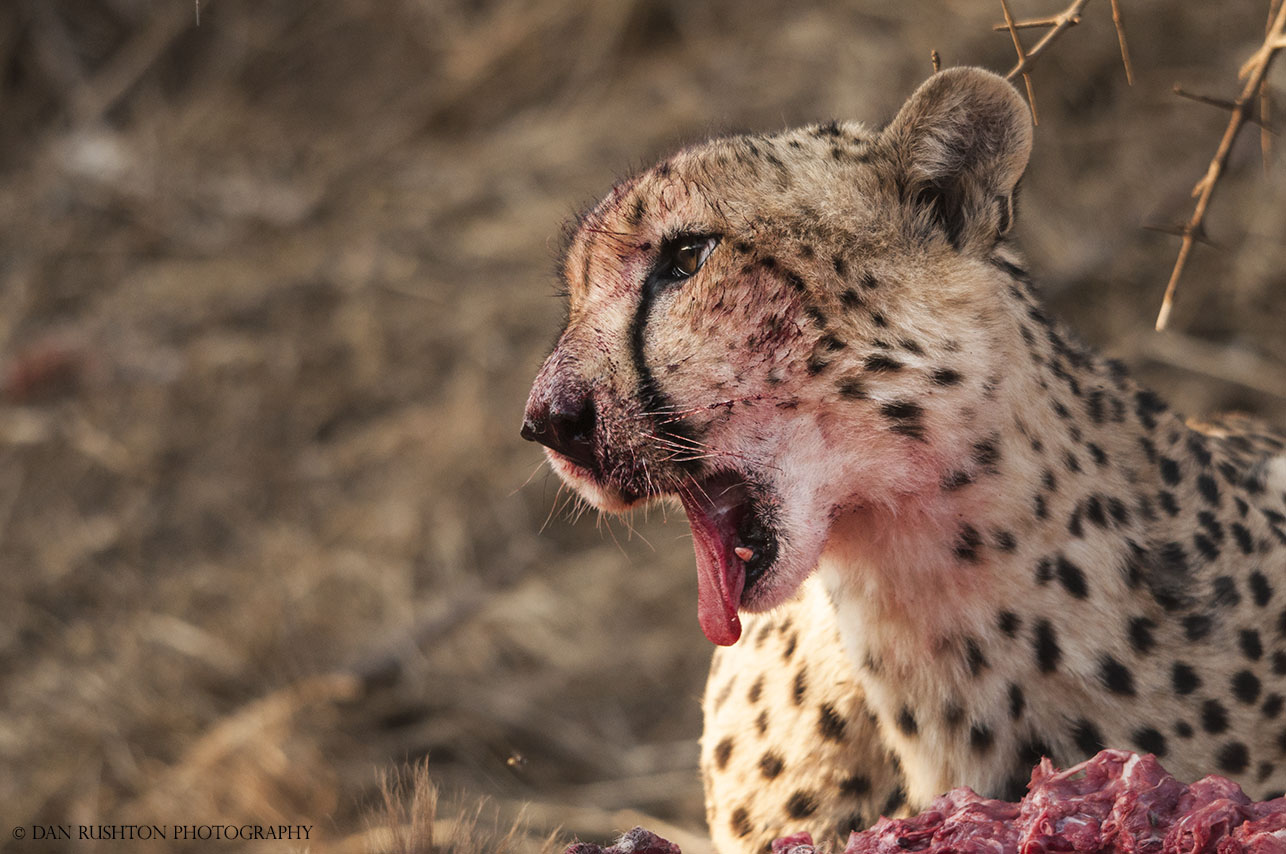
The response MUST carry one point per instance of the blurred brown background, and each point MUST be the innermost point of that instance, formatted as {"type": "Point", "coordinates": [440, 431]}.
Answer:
{"type": "Point", "coordinates": [272, 289]}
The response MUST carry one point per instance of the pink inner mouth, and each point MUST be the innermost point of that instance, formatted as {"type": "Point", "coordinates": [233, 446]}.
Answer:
{"type": "Point", "coordinates": [715, 510]}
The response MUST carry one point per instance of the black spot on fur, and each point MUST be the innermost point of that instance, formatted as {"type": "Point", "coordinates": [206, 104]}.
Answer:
{"type": "Point", "coordinates": [955, 480]}
{"type": "Point", "coordinates": [974, 657]}
{"type": "Point", "coordinates": [906, 722]}
{"type": "Point", "coordinates": [799, 687]}
{"type": "Point", "coordinates": [905, 415]}
{"type": "Point", "coordinates": [801, 805]}
{"type": "Point", "coordinates": [740, 822]}
{"type": "Point", "coordinates": [1170, 471]}
{"type": "Point", "coordinates": [1009, 623]}
{"type": "Point", "coordinates": [1098, 454]}
{"type": "Point", "coordinates": [1141, 638]}
{"type": "Point", "coordinates": [1272, 706]}
{"type": "Point", "coordinates": [1245, 687]}
{"type": "Point", "coordinates": [855, 786]}
{"type": "Point", "coordinates": [967, 544]}
{"type": "Point", "coordinates": [1209, 489]}
{"type": "Point", "coordinates": [829, 723]}
{"type": "Point", "coordinates": [1071, 577]}
{"type": "Point", "coordinates": [1233, 758]}
{"type": "Point", "coordinates": [946, 377]}
{"type": "Point", "coordinates": [1245, 541]}
{"type": "Point", "coordinates": [1251, 646]}
{"type": "Point", "coordinates": [1032, 751]}
{"type": "Point", "coordinates": [1087, 738]}
{"type": "Point", "coordinates": [1260, 591]}
{"type": "Point", "coordinates": [1045, 645]}
{"type": "Point", "coordinates": [1095, 512]}
{"type": "Point", "coordinates": [770, 765]}
{"type": "Point", "coordinates": [981, 738]}
{"type": "Point", "coordinates": [1149, 740]}
{"type": "Point", "coordinates": [1147, 406]}
{"type": "Point", "coordinates": [1016, 701]}
{"type": "Point", "coordinates": [1115, 676]}
{"type": "Point", "coordinates": [1075, 525]}
{"type": "Point", "coordinates": [880, 363]}
{"type": "Point", "coordinates": [1183, 729]}
{"type": "Point", "coordinates": [1224, 593]}
{"type": "Point", "coordinates": [894, 801]}
{"type": "Point", "coordinates": [1116, 507]}
{"type": "Point", "coordinates": [1197, 626]}
{"type": "Point", "coordinates": [986, 453]}
{"type": "Point", "coordinates": [1197, 447]}
{"type": "Point", "coordinates": [1205, 547]}
{"type": "Point", "coordinates": [851, 388]}
{"type": "Point", "coordinates": [722, 751]}
{"type": "Point", "coordinates": [1184, 679]}
{"type": "Point", "coordinates": [1214, 717]}
{"type": "Point", "coordinates": [855, 822]}
{"type": "Point", "coordinates": [851, 299]}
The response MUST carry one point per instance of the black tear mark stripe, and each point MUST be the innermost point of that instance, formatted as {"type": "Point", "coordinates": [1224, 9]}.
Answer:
{"type": "Point", "coordinates": [654, 400]}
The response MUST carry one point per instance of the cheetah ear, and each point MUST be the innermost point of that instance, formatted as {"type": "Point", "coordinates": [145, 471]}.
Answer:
{"type": "Point", "coordinates": [959, 146]}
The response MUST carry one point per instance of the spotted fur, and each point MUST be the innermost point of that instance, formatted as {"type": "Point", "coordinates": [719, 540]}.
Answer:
{"type": "Point", "coordinates": [1012, 549]}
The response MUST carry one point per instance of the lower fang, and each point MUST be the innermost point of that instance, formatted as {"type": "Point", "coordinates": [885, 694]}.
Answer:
{"type": "Point", "coordinates": [746, 554]}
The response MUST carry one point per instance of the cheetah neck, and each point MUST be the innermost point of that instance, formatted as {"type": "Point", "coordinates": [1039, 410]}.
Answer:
{"type": "Point", "coordinates": [1062, 500]}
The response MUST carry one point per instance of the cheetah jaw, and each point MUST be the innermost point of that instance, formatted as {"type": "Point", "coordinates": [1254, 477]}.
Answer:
{"type": "Point", "coordinates": [735, 544]}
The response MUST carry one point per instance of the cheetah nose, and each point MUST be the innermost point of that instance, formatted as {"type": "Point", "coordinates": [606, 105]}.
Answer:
{"type": "Point", "coordinates": [563, 423]}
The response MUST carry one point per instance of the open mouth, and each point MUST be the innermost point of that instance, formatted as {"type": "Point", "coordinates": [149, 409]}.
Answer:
{"type": "Point", "coordinates": [735, 545]}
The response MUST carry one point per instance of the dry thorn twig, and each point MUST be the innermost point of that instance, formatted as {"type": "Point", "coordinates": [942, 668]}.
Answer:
{"type": "Point", "coordinates": [1118, 21]}
{"type": "Point", "coordinates": [1022, 59]}
{"type": "Point", "coordinates": [1265, 136]}
{"type": "Point", "coordinates": [1057, 25]}
{"type": "Point", "coordinates": [1255, 72]}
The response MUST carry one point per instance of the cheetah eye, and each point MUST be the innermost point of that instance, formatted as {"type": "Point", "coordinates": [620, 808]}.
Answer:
{"type": "Point", "coordinates": [682, 256]}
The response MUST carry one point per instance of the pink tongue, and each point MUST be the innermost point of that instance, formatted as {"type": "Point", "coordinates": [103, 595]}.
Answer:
{"type": "Point", "coordinates": [720, 577]}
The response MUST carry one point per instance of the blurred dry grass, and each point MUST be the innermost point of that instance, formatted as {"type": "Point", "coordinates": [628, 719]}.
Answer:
{"type": "Point", "coordinates": [272, 290]}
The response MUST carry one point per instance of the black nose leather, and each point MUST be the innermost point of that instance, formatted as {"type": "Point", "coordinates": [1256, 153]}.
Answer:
{"type": "Point", "coordinates": [566, 425]}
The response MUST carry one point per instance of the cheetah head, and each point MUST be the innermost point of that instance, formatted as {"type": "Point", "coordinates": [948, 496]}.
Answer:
{"type": "Point", "coordinates": [781, 331]}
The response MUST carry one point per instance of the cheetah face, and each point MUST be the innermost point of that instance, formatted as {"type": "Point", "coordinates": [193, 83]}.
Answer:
{"type": "Point", "coordinates": [732, 320]}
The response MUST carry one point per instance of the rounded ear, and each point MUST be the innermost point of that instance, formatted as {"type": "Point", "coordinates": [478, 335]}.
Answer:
{"type": "Point", "coordinates": [960, 145]}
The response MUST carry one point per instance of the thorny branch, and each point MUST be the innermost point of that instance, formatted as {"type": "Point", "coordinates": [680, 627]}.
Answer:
{"type": "Point", "coordinates": [1057, 25]}
{"type": "Point", "coordinates": [1255, 73]}
{"type": "Point", "coordinates": [1022, 59]}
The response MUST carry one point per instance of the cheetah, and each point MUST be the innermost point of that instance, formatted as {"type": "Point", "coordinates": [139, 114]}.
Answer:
{"type": "Point", "coordinates": [936, 537]}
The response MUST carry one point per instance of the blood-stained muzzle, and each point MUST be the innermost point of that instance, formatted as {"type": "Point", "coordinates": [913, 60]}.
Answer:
{"type": "Point", "coordinates": [561, 414]}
